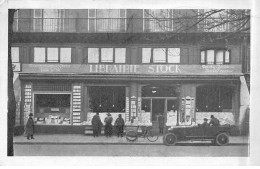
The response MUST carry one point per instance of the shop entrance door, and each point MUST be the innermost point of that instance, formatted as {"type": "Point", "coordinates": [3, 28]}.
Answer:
{"type": "Point", "coordinates": [158, 107]}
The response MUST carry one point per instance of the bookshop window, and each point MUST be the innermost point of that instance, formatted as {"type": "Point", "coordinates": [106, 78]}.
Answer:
{"type": "Point", "coordinates": [107, 98]}
{"type": "Point", "coordinates": [214, 98]}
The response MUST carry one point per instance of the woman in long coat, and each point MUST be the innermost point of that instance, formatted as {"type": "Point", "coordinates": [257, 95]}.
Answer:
{"type": "Point", "coordinates": [30, 127]}
{"type": "Point", "coordinates": [96, 125]}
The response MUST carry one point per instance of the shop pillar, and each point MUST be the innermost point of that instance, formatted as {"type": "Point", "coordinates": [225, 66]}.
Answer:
{"type": "Point", "coordinates": [187, 104]}
{"type": "Point", "coordinates": [133, 100]}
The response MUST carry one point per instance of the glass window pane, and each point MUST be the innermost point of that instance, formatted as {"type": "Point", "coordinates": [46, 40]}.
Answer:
{"type": "Point", "coordinates": [146, 55]}
{"type": "Point", "coordinates": [53, 55]}
{"type": "Point", "coordinates": [92, 13]}
{"type": "Point", "coordinates": [219, 57]}
{"type": "Point", "coordinates": [227, 57]}
{"type": "Point", "coordinates": [159, 55]}
{"type": "Point", "coordinates": [210, 56]}
{"type": "Point", "coordinates": [65, 55]}
{"type": "Point", "coordinates": [39, 55]}
{"type": "Point", "coordinates": [37, 13]}
{"type": "Point", "coordinates": [173, 55]}
{"type": "Point", "coordinates": [93, 55]}
{"type": "Point", "coordinates": [15, 54]}
{"type": "Point", "coordinates": [146, 105]}
{"type": "Point", "coordinates": [202, 57]}
{"type": "Point", "coordinates": [120, 55]}
{"type": "Point", "coordinates": [106, 54]}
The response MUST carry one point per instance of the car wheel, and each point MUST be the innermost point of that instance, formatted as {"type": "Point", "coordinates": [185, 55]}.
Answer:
{"type": "Point", "coordinates": [222, 139]}
{"type": "Point", "coordinates": [170, 139]}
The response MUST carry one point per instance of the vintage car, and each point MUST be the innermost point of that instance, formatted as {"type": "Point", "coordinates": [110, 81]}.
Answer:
{"type": "Point", "coordinates": [218, 135]}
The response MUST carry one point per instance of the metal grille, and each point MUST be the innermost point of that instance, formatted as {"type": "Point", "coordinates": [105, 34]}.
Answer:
{"type": "Point", "coordinates": [51, 87]}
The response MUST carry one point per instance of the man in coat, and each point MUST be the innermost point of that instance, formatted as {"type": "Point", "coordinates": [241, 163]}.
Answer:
{"type": "Point", "coordinates": [120, 123]}
{"type": "Point", "coordinates": [108, 125]}
{"type": "Point", "coordinates": [205, 123]}
{"type": "Point", "coordinates": [96, 125]}
{"type": "Point", "coordinates": [30, 127]}
{"type": "Point", "coordinates": [161, 123]}
{"type": "Point", "coordinates": [214, 121]}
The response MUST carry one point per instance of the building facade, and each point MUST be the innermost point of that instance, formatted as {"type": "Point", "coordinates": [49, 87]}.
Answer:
{"type": "Point", "coordinates": [70, 64]}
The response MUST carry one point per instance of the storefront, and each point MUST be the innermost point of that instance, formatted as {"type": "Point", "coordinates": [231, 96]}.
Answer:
{"type": "Point", "coordinates": [70, 95]}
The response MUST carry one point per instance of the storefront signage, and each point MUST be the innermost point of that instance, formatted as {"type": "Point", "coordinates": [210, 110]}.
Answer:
{"type": "Point", "coordinates": [131, 69]}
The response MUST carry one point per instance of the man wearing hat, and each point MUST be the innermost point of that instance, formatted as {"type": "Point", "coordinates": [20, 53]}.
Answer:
{"type": "Point", "coordinates": [120, 123]}
{"type": "Point", "coordinates": [108, 125]}
{"type": "Point", "coordinates": [214, 121]}
{"type": "Point", "coordinates": [30, 127]}
{"type": "Point", "coordinates": [205, 123]}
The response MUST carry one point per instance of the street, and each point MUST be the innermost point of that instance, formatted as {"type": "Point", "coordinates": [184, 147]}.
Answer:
{"type": "Point", "coordinates": [191, 150]}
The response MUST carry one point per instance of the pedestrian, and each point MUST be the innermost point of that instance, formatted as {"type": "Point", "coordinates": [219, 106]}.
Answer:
{"type": "Point", "coordinates": [214, 121]}
{"type": "Point", "coordinates": [96, 125]}
{"type": "Point", "coordinates": [161, 123]}
{"type": "Point", "coordinates": [120, 123]}
{"type": "Point", "coordinates": [205, 123]}
{"type": "Point", "coordinates": [108, 125]}
{"type": "Point", "coordinates": [30, 127]}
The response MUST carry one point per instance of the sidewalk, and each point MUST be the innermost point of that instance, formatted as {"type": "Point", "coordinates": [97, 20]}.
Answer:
{"type": "Point", "coordinates": [88, 139]}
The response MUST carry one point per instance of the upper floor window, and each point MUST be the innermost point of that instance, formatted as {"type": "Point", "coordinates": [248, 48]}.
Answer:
{"type": "Point", "coordinates": [15, 54]}
{"type": "Point", "coordinates": [215, 56]}
{"type": "Point", "coordinates": [52, 55]}
{"type": "Point", "coordinates": [106, 55]}
{"type": "Point", "coordinates": [107, 20]}
{"type": "Point", "coordinates": [160, 55]}
{"type": "Point", "coordinates": [48, 20]}
{"type": "Point", "coordinates": [162, 20]}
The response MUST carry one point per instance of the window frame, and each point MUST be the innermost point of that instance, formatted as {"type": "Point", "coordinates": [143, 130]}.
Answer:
{"type": "Point", "coordinates": [59, 26]}
{"type": "Point", "coordinates": [100, 55]}
{"type": "Point", "coordinates": [224, 50]}
{"type": "Point", "coordinates": [95, 21]}
{"type": "Point", "coordinates": [46, 55]}
{"type": "Point", "coordinates": [17, 47]}
{"type": "Point", "coordinates": [166, 55]}
{"type": "Point", "coordinates": [166, 29]}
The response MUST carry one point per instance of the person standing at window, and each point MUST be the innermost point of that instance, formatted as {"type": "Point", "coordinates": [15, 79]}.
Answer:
{"type": "Point", "coordinates": [108, 125]}
{"type": "Point", "coordinates": [120, 123]}
{"type": "Point", "coordinates": [96, 125]}
{"type": "Point", "coordinates": [30, 127]}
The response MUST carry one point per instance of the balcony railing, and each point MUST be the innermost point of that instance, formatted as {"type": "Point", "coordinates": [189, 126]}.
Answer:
{"type": "Point", "coordinates": [92, 25]}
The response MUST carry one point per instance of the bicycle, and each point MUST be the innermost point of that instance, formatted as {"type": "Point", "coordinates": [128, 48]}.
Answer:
{"type": "Point", "coordinates": [132, 135]}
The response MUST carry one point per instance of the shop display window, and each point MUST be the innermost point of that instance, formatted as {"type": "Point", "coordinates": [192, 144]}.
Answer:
{"type": "Point", "coordinates": [52, 108]}
{"type": "Point", "coordinates": [214, 98]}
{"type": "Point", "coordinates": [107, 99]}
{"type": "Point", "coordinates": [146, 105]}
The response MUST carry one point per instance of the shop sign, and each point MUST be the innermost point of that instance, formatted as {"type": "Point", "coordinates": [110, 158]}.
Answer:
{"type": "Point", "coordinates": [168, 69]}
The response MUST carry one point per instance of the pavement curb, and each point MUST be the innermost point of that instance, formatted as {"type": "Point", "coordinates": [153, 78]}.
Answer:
{"type": "Point", "coordinates": [110, 143]}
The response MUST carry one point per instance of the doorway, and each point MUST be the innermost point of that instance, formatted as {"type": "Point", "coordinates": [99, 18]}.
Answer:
{"type": "Point", "coordinates": [158, 106]}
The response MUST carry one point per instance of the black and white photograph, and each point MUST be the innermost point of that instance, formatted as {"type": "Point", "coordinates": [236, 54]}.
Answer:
{"type": "Point", "coordinates": [120, 81]}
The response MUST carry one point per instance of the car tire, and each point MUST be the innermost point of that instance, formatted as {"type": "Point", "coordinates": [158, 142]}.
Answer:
{"type": "Point", "coordinates": [170, 139]}
{"type": "Point", "coordinates": [222, 139]}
